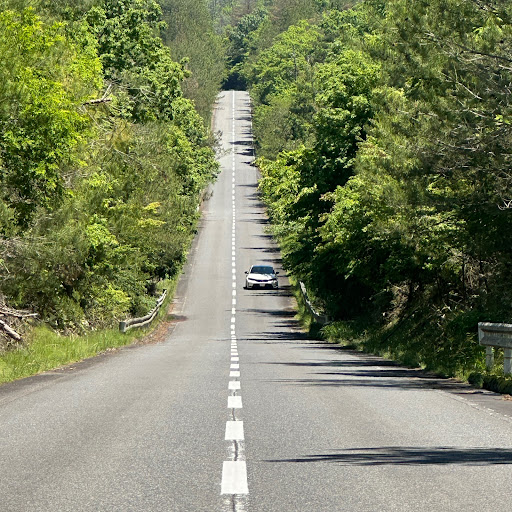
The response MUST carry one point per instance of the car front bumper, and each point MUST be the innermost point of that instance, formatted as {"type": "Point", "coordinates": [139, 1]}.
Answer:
{"type": "Point", "coordinates": [249, 283]}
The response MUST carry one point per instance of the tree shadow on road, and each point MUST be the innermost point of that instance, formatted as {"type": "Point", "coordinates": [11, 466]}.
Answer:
{"type": "Point", "coordinates": [273, 249]}
{"type": "Point", "coordinates": [273, 336]}
{"type": "Point", "coordinates": [354, 369]}
{"type": "Point", "coordinates": [411, 456]}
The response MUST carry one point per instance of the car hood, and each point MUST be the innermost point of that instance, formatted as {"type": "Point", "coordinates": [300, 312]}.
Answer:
{"type": "Point", "coordinates": [262, 277]}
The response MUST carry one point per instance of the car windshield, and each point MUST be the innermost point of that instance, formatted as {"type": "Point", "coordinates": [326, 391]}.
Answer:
{"type": "Point", "coordinates": [260, 269]}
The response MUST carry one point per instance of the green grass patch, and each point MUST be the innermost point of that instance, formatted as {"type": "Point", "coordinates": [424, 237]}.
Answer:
{"type": "Point", "coordinates": [413, 342]}
{"type": "Point", "coordinates": [349, 334]}
{"type": "Point", "coordinates": [47, 350]}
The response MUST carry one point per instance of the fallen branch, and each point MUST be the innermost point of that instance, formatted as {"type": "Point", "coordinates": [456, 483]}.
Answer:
{"type": "Point", "coordinates": [96, 102]}
{"type": "Point", "coordinates": [104, 99]}
{"type": "Point", "coordinates": [9, 331]}
{"type": "Point", "coordinates": [16, 313]}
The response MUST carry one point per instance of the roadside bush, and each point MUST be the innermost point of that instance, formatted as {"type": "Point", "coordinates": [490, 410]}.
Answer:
{"type": "Point", "coordinates": [498, 384]}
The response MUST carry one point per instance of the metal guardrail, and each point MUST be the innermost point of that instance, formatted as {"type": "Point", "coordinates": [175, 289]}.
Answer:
{"type": "Point", "coordinates": [321, 319]}
{"type": "Point", "coordinates": [145, 320]}
{"type": "Point", "coordinates": [496, 336]}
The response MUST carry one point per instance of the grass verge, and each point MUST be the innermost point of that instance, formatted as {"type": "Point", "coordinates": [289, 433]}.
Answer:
{"type": "Point", "coordinates": [412, 344]}
{"type": "Point", "coordinates": [304, 315]}
{"type": "Point", "coordinates": [465, 362]}
{"type": "Point", "coordinates": [46, 349]}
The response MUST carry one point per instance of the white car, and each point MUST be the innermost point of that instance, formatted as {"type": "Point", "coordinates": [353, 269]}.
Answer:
{"type": "Point", "coordinates": [262, 276]}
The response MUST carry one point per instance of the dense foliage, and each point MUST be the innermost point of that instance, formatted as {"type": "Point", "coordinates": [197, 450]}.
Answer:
{"type": "Point", "coordinates": [386, 140]}
{"type": "Point", "coordinates": [191, 33]}
{"type": "Point", "coordinates": [102, 159]}
{"type": "Point", "coordinates": [383, 131]}
{"type": "Point", "coordinates": [252, 28]}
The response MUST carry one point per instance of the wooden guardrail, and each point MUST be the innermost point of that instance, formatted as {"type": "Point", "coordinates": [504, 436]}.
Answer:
{"type": "Point", "coordinates": [145, 320]}
{"type": "Point", "coordinates": [496, 335]}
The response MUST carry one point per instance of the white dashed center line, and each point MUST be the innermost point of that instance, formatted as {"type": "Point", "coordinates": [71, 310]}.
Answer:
{"type": "Point", "coordinates": [234, 472]}
{"type": "Point", "coordinates": [234, 402]}
{"type": "Point", "coordinates": [234, 478]}
{"type": "Point", "coordinates": [234, 431]}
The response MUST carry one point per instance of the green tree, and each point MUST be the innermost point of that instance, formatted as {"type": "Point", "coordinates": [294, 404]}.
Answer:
{"type": "Point", "coordinates": [344, 106]}
{"type": "Point", "coordinates": [45, 80]}
{"type": "Point", "coordinates": [191, 35]}
{"type": "Point", "coordinates": [238, 45]}
{"type": "Point", "coordinates": [134, 58]}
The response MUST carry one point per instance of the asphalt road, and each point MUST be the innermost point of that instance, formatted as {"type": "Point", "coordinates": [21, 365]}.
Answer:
{"type": "Point", "coordinates": [237, 411]}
